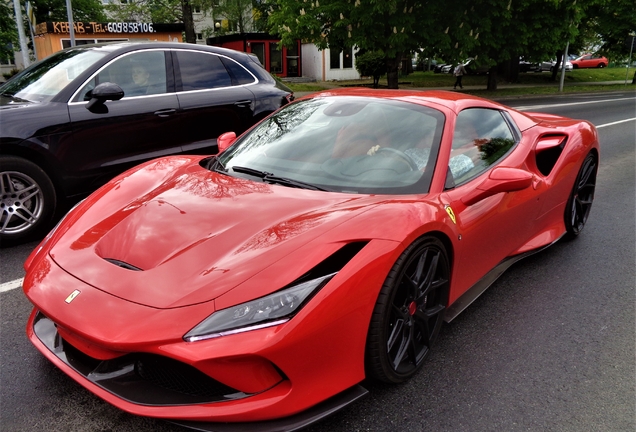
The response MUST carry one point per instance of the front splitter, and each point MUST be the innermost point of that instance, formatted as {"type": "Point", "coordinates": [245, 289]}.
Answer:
{"type": "Point", "coordinates": [292, 423]}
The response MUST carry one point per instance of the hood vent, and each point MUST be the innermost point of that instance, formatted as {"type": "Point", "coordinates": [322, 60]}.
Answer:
{"type": "Point", "coordinates": [123, 264]}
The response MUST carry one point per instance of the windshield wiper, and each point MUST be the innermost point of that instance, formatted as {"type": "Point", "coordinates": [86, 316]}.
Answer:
{"type": "Point", "coordinates": [292, 183]}
{"type": "Point", "coordinates": [13, 97]}
{"type": "Point", "coordinates": [271, 178]}
{"type": "Point", "coordinates": [251, 171]}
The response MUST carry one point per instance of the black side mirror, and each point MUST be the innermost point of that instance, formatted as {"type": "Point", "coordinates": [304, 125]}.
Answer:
{"type": "Point", "coordinates": [102, 93]}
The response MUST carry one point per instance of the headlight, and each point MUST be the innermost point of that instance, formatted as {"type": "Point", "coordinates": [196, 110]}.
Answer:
{"type": "Point", "coordinates": [264, 312]}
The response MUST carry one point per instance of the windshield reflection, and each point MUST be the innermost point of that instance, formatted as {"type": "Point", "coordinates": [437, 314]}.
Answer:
{"type": "Point", "coordinates": [345, 144]}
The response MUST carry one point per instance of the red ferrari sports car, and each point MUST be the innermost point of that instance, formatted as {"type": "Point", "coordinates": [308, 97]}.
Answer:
{"type": "Point", "coordinates": [323, 247]}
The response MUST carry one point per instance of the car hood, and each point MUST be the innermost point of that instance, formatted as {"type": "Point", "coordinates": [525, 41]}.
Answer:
{"type": "Point", "coordinates": [172, 234]}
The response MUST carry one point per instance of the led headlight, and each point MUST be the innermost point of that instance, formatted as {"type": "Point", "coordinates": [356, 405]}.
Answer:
{"type": "Point", "coordinates": [264, 312]}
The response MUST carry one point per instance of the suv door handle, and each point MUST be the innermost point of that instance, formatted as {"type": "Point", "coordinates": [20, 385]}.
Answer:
{"type": "Point", "coordinates": [243, 103]}
{"type": "Point", "coordinates": [165, 112]}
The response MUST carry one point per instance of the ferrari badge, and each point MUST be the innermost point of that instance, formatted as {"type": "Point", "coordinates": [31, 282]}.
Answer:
{"type": "Point", "coordinates": [451, 214]}
{"type": "Point", "coordinates": [71, 297]}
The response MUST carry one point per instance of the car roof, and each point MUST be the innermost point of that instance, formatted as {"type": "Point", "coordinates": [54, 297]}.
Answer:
{"type": "Point", "coordinates": [120, 47]}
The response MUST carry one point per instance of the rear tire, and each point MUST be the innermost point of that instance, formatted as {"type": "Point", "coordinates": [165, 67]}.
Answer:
{"type": "Point", "coordinates": [27, 200]}
{"type": "Point", "coordinates": [409, 312]}
{"type": "Point", "coordinates": [580, 201]}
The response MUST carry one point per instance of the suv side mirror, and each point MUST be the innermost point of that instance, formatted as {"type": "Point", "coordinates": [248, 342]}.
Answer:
{"type": "Point", "coordinates": [103, 92]}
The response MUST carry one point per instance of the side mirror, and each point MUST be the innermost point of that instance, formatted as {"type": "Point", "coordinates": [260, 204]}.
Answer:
{"type": "Point", "coordinates": [225, 140]}
{"type": "Point", "coordinates": [102, 93]}
{"type": "Point", "coordinates": [501, 179]}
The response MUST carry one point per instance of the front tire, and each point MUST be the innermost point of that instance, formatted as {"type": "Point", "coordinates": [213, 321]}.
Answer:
{"type": "Point", "coordinates": [27, 200]}
{"type": "Point", "coordinates": [580, 201]}
{"type": "Point", "coordinates": [409, 312]}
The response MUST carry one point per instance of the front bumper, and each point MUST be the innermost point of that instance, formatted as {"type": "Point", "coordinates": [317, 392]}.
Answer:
{"type": "Point", "coordinates": [154, 382]}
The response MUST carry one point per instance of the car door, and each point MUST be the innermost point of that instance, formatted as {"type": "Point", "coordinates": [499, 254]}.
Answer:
{"type": "Point", "coordinates": [213, 98]}
{"type": "Point", "coordinates": [492, 228]}
{"type": "Point", "coordinates": [122, 133]}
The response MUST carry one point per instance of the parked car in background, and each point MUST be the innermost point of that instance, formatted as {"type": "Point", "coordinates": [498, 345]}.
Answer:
{"type": "Point", "coordinates": [551, 64]}
{"type": "Point", "coordinates": [77, 118]}
{"type": "Point", "coordinates": [590, 61]}
{"type": "Point", "coordinates": [526, 66]}
{"type": "Point", "coordinates": [440, 67]}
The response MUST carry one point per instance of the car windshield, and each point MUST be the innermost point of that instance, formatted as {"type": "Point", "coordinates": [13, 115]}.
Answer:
{"type": "Point", "coordinates": [343, 144]}
{"type": "Point", "coordinates": [45, 79]}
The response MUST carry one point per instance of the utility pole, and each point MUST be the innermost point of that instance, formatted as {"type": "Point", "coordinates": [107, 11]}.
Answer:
{"type": "Point", "coordinates": [565, 59]}
{"type": "Point", "coordinates": [24, 49]}
{"type": "Point", "coordinates": [71, 26]}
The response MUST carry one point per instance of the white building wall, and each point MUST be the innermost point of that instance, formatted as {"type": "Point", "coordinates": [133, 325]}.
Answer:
{"type": "Point", "coordinates": [316, 65]}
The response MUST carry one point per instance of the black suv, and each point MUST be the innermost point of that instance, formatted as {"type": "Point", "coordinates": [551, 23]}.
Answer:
{"type": "Point", "coordinates": [72, 121]}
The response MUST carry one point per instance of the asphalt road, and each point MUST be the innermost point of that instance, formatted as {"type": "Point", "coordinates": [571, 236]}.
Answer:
{"type": "Point", "coordinates": [550, 346]}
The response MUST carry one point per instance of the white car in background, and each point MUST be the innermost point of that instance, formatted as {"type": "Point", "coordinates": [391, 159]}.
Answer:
{"type": "Point", "coordinates": [550, 65]}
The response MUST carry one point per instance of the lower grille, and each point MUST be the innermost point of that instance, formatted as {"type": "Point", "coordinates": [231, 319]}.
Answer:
{"type": "Point", "coordinates": [140, 378]}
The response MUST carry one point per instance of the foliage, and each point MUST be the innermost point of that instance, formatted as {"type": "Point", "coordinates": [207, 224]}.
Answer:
{"type": "Point", "coordinates": [372, 64]}
{"type": "Point", "coordinates": [240, 12]}
{"type": "Point", "coordinates": [8, 31]}
{"type": "Point", "coordinates": [55, 10]}
{"type": "Point", "coordinates": [613, 21]}
{"type": "Point", "coordinates": [394, 27]}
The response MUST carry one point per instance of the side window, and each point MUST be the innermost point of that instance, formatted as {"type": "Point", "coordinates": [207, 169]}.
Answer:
{"type": "Point", "coordinates": [239, 74]}
{"type": "Point", "coordinates": [481, 138]}
{"type": "Point", "coordinates": [138, 74]}
{"type": "Point", "coordinates": [202, 71]}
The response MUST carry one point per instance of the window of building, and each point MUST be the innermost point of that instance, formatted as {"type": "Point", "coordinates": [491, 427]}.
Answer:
{"type": "Point", "coordinates": [334, 59]}
{"type": "Point", "coordinates": [275, 58]}
{"type": "Point", "coordinates": [199, 36]}
{"type": "Point", "coordinates": [347, 58]}
{"type": "Point", "coordinates": [258, 49]}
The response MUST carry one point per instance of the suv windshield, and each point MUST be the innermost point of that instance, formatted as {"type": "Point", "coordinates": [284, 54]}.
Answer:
{"type": "Point", "coordinates": [45, 79]}
{"type": "Point", "coordinates": [344, 144]}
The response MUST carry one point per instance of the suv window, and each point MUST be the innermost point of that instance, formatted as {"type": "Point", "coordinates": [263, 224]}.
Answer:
{"type": "Point", "coordinates": [239, 74]}
{"type": "Point", "coordinates": [481, 138]}
{"type": "Point", "coordinates": [138, 74]}
{"type": "Point", "coordinates": [201, 71]}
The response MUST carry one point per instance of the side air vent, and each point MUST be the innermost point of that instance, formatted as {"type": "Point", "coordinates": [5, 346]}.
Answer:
{"type": "Point", "coordinates": [334, 263]}
{"type": "Point", "coordinates": [123, 264]}
{"type": "Point", "coordinates": [548, 150]}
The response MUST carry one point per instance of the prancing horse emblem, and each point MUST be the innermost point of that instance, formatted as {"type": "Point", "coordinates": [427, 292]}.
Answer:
{"type": "Point", "coordinates": [71, 297]}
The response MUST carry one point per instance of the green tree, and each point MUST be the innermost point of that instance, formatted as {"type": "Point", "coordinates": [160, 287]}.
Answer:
{"type": "Point", "coordinates": [158, 11]}
{"type": "Point", "coordinates": [55, 10]}
{"type": "Point", "coordinates": [8, 31]}
{"type": "Point", "coordinates": [394, 27]}
{"type": "Point", "coordinates": [242, 13]}
{"type": "Point", "coordinates": [371, 63]}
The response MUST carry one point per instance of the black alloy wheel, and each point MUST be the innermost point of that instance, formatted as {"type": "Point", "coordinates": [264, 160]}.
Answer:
{"type": "Point", "coordinates": [580, 201]}
{"type": "Point", "coordinates": [409, 312]}
{"type": "Point", "coordinates": [27, 200]}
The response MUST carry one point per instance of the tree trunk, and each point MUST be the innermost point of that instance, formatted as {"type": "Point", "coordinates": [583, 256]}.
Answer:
{"type": "Point", "coordinates": [392, 71]}
{"type": "Point", "coordinates": [513, 69]}
{"type": "Point", "coordinates": [188, 21]}
{"type": "Point", "coordinates": [492, 78]}
{"type": "Point", "coordinates": [557, 66]}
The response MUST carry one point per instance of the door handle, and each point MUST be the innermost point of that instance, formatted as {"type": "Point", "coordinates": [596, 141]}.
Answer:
{"type": "Point", "coordinates": [165, 112]}
{"type": "Point", "coordinates": [243, 103]}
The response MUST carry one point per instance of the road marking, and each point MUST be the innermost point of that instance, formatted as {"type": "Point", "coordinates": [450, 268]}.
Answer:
{"type": "Point", "coordinates": [615, 123]}
{"type": "Point", "coordinates": [8, 286]}
{"type": "Point", "coordinates": [534, 107]}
